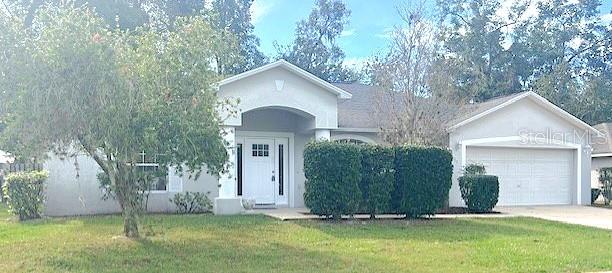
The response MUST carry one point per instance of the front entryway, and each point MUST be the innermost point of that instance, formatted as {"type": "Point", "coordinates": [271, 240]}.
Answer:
{"type": "Point", "coordinates": [263, 169]}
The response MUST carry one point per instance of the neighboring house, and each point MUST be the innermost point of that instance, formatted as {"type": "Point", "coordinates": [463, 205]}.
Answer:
{"type": "Point", "coordinates": [283, 107]}
{"type": "Point", "coordinates": [5, 160]}
{"type": "Point", "coordinates": [602, 153]}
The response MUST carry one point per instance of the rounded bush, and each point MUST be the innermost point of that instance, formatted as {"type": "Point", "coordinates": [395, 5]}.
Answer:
{"type": "Point", "coordinates": [480, 192]}
{"type": "Point", "coordinates": [377, 178]}
{"type": "Point", "coordinates": [24, 192]}
{"type": "Point", "coordinates": [333, 174]}
{"type": "Point", "coordinates": [423, 178]}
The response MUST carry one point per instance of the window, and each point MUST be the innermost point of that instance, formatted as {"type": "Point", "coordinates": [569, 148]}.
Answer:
{"type": "Point", "coordinates": [148, 164]}
{"type": "Point", "coordinates": [260, 150]}
{"type": "Point", "coordinates": [281, 170]}
{"type": "Point", "coordinates": [239, 167]}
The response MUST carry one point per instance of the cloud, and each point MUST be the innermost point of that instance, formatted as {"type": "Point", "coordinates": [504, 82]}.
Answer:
{"type": "Point", "coordinates": [606, 18]}
{"type": "Point", "coordinates": [357, 63]}
{"type": "Point", "coordinates": [260, 9]}
{"type": "Point", "coordinates": [347, 32]}
{"type": "Point", "coordinates": [386, 33]}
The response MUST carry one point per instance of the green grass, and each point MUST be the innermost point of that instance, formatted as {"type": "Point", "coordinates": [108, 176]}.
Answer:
{"type": "Point", "coordinates": [205, 243]}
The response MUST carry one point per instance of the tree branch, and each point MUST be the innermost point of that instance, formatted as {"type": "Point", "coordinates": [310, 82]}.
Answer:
{"type": "Point", "coordinates": [92, 152]}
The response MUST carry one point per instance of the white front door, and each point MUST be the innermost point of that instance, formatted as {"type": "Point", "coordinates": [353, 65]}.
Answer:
{"type": "Point", "coordinates": [259, 178]}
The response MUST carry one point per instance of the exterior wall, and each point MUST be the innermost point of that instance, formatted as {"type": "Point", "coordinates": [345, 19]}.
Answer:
{"type": "Point", "coordinates": [68, 194]}
{"type": "Point", "coordinates": [260, 91]}
{"type": "Point", "coordinates": [596, 164]}
{"type": "Point", "coordinates": [521, 118]}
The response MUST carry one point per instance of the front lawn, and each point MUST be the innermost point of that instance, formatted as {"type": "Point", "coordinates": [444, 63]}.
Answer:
{"type": "Point", "coordinates": [205, 243]}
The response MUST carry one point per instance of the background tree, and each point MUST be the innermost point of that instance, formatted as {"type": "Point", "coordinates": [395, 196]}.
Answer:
{"type": "Point", "coordinates": [78, 86]}
{"type": "Point", "coordinates": [314, 48]}
{"type": "Point", "coordinates": [416, 99]}
{"type": "Point", "coordinates": [234, 17]}
{"type": "Point", "coordinates": [560, 49]}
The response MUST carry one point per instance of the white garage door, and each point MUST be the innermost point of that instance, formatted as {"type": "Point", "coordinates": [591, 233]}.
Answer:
{"type": "Point", "coordinates": [528, 176]}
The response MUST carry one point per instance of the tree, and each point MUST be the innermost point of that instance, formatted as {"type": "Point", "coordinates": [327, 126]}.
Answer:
{"type": "Point", "coordinates": [314, 48]}
{"type": "Point", "coordinates": [416, 99]}
{"type": "Point", "coordinates": [77, 86]}
{"type": "Point", "coordinates": [234, 17]}
{"type": "Point", "coordinates": [491, 54]}
{"type": "Point", "coordinates": [472, 35]}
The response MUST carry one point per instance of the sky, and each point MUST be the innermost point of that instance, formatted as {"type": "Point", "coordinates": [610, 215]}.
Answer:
{"type": "Point", "coordinates": [367, 33]}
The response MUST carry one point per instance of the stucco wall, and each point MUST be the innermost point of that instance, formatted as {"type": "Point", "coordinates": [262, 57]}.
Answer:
{"type": "Point", "coordinates": [260, 90]}
{"type": "Point", "coordinates": [596, 164]}
{"type": "Point", "coordinates": [517, 119]}
{"type": "Point", "coordinates": [69, 194]}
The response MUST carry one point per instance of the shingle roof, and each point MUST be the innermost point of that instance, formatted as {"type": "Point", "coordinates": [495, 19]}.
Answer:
{"type": "Point", "coordinates": [360, 110]}
{"type": "Point", "coordinates": [474, 109]}
{"type": "Point", "coordinates": [604, 145]}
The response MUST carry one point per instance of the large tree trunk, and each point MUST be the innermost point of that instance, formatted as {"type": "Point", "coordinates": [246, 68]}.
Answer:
{"type": "Point", "coordinates": [129, 200]}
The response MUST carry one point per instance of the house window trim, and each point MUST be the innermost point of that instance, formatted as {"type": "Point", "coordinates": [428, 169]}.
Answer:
{"type": "Point", "coordinates": [142, 155]}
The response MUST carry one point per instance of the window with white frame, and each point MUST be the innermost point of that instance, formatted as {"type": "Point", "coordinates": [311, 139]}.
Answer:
{"type": "Point", "coordinates": [149, 164]}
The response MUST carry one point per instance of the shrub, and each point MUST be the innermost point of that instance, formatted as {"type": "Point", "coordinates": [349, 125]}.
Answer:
{"type": "Point", "coordinates": [333, 173]}
{"type": "Point", "coordinates": [192, 202]}
{"type": "Point", "coordinates": [595, 192]}
{"type": "Point", "coordinates": [377, 178]}
{"type": "Point", "coordinates": [474, 169]}
{"type": "Point", "coordinates": [24, 192]}
{"type": "Point", "coordinates": [605, 177]}
{"type": "Point", "coordinates": [422, 180]}
{"type": "Point", "coordinates": [480, 192]}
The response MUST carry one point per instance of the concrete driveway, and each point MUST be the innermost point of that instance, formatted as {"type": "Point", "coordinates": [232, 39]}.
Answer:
{"type": "Point", "coordinates": [580, 215]}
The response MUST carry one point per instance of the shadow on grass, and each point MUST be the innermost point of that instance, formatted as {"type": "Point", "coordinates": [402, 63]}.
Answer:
{"type": "Point", "coordinates": [215, 254]}
{"type": "Point", "coordinates": [442, 230]}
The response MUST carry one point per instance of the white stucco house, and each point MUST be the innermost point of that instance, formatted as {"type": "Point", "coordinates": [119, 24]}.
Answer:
{"type": "Point", "coordinates": [541, 153]}
{"type": "Point", "coordinates": [602, 153]}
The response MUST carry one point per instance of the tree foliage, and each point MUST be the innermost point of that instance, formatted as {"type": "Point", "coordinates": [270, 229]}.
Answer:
{"type": "Point", "coordinates": [314, 48]}
{"type": "Point", "coordinates": [416, 98]}
{"type": "Point", "coordinates": [234, 17]}
{"type": "Point", "coordinates": [560, 49]}
{"type": "Point", "coordinates": [76, 86]}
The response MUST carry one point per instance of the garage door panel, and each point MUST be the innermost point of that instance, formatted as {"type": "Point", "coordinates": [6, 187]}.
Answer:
{"type": "Point", "coordinates": [528, 176]}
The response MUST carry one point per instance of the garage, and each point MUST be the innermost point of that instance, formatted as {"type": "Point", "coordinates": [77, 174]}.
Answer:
{"type": "Point", "coordinates": [541, 154]}
{"type": "Point", "coordinates": [529, 176]}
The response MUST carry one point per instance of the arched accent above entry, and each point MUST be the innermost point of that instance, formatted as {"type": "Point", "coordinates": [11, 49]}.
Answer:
{"type": "Point", "coordinates": [353, 138]}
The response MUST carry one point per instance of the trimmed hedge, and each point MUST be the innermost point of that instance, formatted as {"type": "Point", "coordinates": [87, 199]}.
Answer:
{"type": "Point", "coordinates": [343, 179]}
{"type": "Point", "coordinates": [422, 180]}
{"type": "Point", "coordinates": [24, 192]}
{"type": "Point", "coordinates": [377, 178]}
{"type": "Point", "coordinates": [480, 192]}
{"type": "Point", "coordinates": [333, 172]}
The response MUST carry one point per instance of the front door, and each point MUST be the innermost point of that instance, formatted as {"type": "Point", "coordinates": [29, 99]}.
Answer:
{"type": "Point", "coordinates": [259, 178]}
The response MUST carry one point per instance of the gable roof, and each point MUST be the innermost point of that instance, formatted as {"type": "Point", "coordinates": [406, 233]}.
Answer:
{"type": "Point", "coordinates": [488, 107]}
{"type": "Point", "coordinates": [294, 69]}
{"type": "Point", "coordinates": [604, 147]}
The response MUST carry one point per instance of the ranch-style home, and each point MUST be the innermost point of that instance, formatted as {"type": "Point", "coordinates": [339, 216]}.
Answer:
{"type": "Point", "coordinates": [541, 153]}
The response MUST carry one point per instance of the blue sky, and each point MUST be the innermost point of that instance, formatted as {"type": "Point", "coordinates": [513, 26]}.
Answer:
{"type": "Point", "coordinates": [370, 21]}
